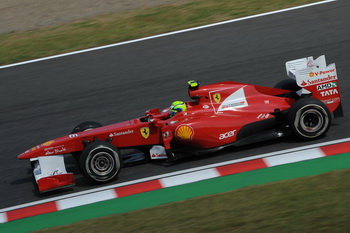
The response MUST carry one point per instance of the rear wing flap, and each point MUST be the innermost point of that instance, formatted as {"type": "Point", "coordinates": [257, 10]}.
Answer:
{"type": "Point", "coordinates": [316, 77]}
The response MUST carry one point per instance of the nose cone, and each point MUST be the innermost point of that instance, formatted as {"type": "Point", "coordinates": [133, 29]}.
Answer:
{"type": "Point", "coordinates": [36, 151]}
{"type": "Point", "coordinates": [31, 153]}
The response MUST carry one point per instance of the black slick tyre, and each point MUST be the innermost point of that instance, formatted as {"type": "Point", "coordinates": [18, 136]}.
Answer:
{"type": "Point", "coordinates": [83, 126]}
{"type": "Point", "coordinates": [288, 84]}
{"type": "Point", "coordinates": [309, 119]}
{"type": "Point", "coordinates": [86, 125]}
{"type": "Point", "coordinates": [100, 162]}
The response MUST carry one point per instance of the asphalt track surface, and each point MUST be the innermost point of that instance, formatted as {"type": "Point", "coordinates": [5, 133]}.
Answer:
{"type": "Point", "coordinates": [45, 100]}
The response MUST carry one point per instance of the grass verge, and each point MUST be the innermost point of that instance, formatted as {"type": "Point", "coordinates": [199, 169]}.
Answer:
{"type": "Point", "coordinates": [311, 204]}
{"type": "Point", "coordinates": [112, 28]}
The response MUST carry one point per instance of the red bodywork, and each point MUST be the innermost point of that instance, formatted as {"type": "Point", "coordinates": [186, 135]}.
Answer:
{"type": "Point", "coordinates": [207, 123]}
{"type": "Point", "coordinates": [219, 115]}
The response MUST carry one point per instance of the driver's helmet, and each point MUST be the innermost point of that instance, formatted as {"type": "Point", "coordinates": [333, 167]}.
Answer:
{"type": "Point", "coordinates": [177, 106]}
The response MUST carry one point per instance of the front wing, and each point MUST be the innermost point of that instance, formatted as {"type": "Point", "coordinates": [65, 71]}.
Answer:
{"type": "Point", "coordinates": [50, 173]}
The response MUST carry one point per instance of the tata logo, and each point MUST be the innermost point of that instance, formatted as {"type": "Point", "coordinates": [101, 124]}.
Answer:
{"type": "Point", "coordinates": [327, 86]}
{"type": "Point", "coordinates": [329, 92]}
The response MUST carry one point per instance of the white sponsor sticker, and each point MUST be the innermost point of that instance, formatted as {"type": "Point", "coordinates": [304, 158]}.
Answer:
{"type": "Point", "coordinates": [327, 86]}
{"type": "Point", "coordinates": [121, 133]}
{"type": "Point", "coordinates": [227, 134]}
{"type": "Point", "coordinates": [235, 100]}
{"type": "Point", "coordinates": [329, 92]}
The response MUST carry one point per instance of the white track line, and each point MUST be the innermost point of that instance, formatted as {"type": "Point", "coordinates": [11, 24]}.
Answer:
{"type": "Point", "coordinates": [183, 171]}
{"type": "Point", "coordinates": [293, 157]}
{"type": "Point", "coordinates": [189, 177]}
{"type": "Point", "coordinates": [3, 218]}
{"type": "Point", "coordinates": [164, 176]}
{"type": "Point", "coordinates": [86, 199]}
{"type": "Point", "coordinates": [167, 34]}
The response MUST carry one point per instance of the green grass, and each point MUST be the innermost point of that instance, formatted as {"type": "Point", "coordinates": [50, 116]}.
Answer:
{"type": "Point", "coordinates": [112, 28]}
{"type": "Point", "coordinates": [311, 204]}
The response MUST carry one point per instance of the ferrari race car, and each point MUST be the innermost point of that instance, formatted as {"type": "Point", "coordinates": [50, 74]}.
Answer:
{"type": "Point", "coordinates": [219, 115]}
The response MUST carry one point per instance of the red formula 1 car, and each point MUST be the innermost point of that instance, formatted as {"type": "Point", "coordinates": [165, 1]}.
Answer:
{"type": "Point", "coordinates": [218, 115]}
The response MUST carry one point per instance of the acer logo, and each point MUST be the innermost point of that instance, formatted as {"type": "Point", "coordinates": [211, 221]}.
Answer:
{"type": "Point", "coordinates": [227, 134]}
{"type": "Point", "coordinates": [329, 92]}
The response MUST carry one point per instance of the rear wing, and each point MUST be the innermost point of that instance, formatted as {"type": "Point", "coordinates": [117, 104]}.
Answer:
{"type": "Point", "coordinates": [315, 77]}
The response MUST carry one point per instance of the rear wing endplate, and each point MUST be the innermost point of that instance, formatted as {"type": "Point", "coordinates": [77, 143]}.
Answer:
{"type": "Point", "coordinates": [316, 77]}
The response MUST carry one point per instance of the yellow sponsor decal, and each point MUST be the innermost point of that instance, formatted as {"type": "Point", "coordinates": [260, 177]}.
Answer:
{"type": "Point", "coordinates": [48, 143]}
{"type": "Point", "coordinates": [145, 132]}
{"type": "Point", "coordinates": [184, 132]}
{"type": "Point", "coordinates": [217, 97]}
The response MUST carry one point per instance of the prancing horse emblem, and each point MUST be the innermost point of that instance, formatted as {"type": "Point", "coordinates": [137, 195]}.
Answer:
{"type": "Point", "coordinates": [145, 132]}
{"type": "Point", "coordinates": [217, 97]}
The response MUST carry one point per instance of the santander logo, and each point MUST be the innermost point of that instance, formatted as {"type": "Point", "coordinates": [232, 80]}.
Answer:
{"type": "Point", "coordinates": [319, 77]}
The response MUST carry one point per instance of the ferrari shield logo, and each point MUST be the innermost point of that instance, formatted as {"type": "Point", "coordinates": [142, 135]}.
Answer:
{"type": "Point", "coordinates": [144, 132]}
{"type": "Point", "coordinates": [217, 97]}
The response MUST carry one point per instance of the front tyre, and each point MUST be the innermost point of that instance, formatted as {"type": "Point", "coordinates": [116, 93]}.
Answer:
{"type": "Point", "coordinates": [309, 119]}
{"type": "Point", "coordinates": [100, 162]}
{"type": "Point", "coordinates": [83, 126]}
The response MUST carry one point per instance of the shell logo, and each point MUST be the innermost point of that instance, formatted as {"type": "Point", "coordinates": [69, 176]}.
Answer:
{"type": "Point", "coordinates": [184, 132]}
{"type": "Point", "coordinates": [311, 74]}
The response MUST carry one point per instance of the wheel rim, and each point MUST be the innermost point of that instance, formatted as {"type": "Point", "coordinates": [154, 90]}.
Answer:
{"type": "Point", "coordinates": [311, 121]}
{"type": "Point", "coordinates": [102, 163]}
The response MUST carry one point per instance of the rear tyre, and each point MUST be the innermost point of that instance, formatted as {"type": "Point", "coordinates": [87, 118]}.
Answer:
{"type": "Point", "coordinates": [100, 162]}
{"type": "Point", "coordinates": [84, 126]}
{"type": "Point", "coordinates": [309, 119]}
{"type": "Point", "coordinates": [288, 84]}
